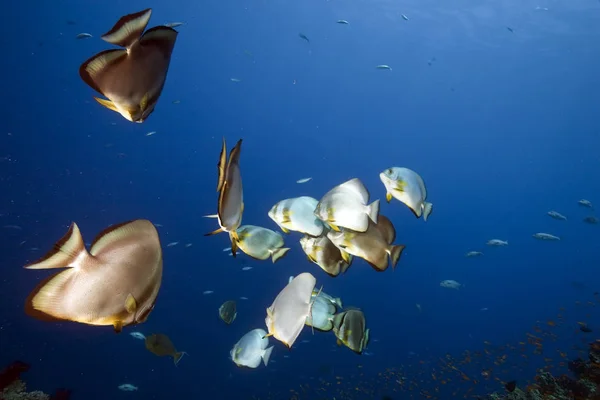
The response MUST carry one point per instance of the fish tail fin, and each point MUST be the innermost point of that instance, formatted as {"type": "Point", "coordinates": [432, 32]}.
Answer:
{"type": "Point", "coordinates": [178, 356]}
{"type": "Point", "coordinates": [69, 251]}
{"type": "Point", "coordinates": [267, 355]}
{"type": "Point", "coordinates": [279, 253]}
{"type": "Point", "coordinates": [427, 209]}
{"type": "Point", "coordinates": [128, 29]}
{"type": "Point", "coordinates": [373, 210]}
{"type": "Point", "coordinates": [395, 252]}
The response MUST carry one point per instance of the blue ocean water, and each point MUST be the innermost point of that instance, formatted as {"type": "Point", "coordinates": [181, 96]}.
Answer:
{"type": "Point", "coordinates": [501, 124]}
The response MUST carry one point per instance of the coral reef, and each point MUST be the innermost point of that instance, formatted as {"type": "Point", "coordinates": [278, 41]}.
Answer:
{"type": "Point", "coordinates": [583, 385]}
{"type": "Point", "coordinates": [13, 388]}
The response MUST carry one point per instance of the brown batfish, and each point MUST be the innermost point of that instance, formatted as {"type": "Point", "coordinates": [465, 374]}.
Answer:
{"type": "Point", "coordinates": [131, 78]}
{"type": "Point", "coordinates": [115, 283]}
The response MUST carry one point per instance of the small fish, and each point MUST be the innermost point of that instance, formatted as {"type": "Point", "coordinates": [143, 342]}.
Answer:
{"type": "Point", "coordinates": [127, 387]}
{"type": "Point", "coordinates": [235, 80]}
{"type": "Point", "coordinates": [545, 236]}
{"type": "Point", "coordinates": [160, 345]}
{"type": "Point", "coordinates": [243, 298]}
{"type": "Point", "coordinates": [138, 335]}
{"type": "Point", "coordinates": [151, 133]}
{"type": "Point", "coordinates": [510, 386]}
{"type": "Point", "coordinates": [584, 328]}
{"type": "Point", "coordinates": [384, 66]}
{"type": "Point", "coordinates": [246, 268]}
{"type": "Point", "coordinates": [557, 215]}
{"type": "Point", "coordinates": [227, 249]}
{"type": "Point", "coordinates": [591, 220]}
{"type": "Point", "coordinates": [303, 36]}
{"type": "Point", "coordinates": [176, 101]}
{"type": "Point", "coordinates": [208, 292]}
{"type": "Point", "coordinates": [304, 180]}
{"type": "Point", "coordinates": [173, 24]}
{"type": "Point", "coordinates": [509, 29]}
{"type": "Point", "coordinates": [228, 311]}
{"type": "Point", "coordinates": [172, 244]}
{"type": "Point", "coordinates": [497, 242]}
{"type": "Point", "coordinates": [474, 254]}
{"type": "Point", "coordinates": [451, 284]}
{"type": "Point", "coordinates": [484, 309]}
{"type": "Point", "coordinates": [15, 227]}
{"type": "Point", "coordinates": [418, 307]}
{"type": "Point", "coordinates": [158, 225]}
{"type": "Point", "coordinates": [188, 245]}
{"type": "Point", "coordinates": [404, 17]}
{"type": "Point", "coordinates": [83, 35]}
{"type": "Point", "coordinates": [342, 21]}
{"type": "Point", "coordinates": [585, 203]}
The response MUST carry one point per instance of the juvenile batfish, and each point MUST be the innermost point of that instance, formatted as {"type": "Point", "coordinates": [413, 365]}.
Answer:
{"type": "Point", "coordinates": [116, 283]}
{"type": "Point", "coordinates": [474, 254]}
{"type": "Point", "coordinates": [304, 180]}
{"type": "Point", "coordinates": [346, 206]}
{"type": "Point", "coordinates": [383, 66]}
{"type": "Point", "coordinates": [497, 242]}
{"type": "Point", "coordinates": [557, 215]}
{"type": "Point", "coordinates": [450, 284]}
{"type": "Point", "coordinates": [297, 214]}
{"type": "Point", "coordinates": [131, 78]}
{"type": "Point", "coordinates": [161, 345]}
{"type": "Point", "coordinates": [350, 328]}
{"type": "Point", "coordinates": [585, 203]}
{"type": "Point", "coordinates": [251, 349]}
{"type": "Point", "coordinates": [545, 236]}
{"type": "Point", "coordinates": [374, 246]}
{"type": "Point", "coordinates": [287, 315]}
{"type": "Point", "coordinates": [228, 311]}
{"type": "Point", "coordinates": [260, 243]}
{"type": "Point", "coordinates": [83, 36]}
{"type": "Point", "coordinates": [408, 187]}
{"type": "Point", "coordinates": [321, 251]}
{"type": "Point", "coordinates": [138, 335]}
{"type": "Point", "coordinates": [230, 206]}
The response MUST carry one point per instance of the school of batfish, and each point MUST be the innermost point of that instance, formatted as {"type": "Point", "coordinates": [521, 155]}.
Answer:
{"type": "Point", "coordinates": [116, 282]}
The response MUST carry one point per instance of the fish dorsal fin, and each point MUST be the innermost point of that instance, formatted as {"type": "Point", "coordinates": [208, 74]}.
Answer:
{"type": "Point", "coordinates": [234, 154]}
{"type": "Point", "coordinates": [386, 228]}
{"type": "Point", "coordinates": [126, 231]}
{"type": "Point", "coordinates": [357, 188]}
{"type": "Point", "coordinates": [69, 251]}
{"type": "Point", "coordinates": [221, 165]}
{"type": "Point", "coordinates": [128, 29]}
{"type": "Point", "coordinates": [161, 37]}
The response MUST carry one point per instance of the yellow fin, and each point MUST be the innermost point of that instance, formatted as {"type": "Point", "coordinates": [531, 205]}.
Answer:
{"type": "Point", "coordinates": [286, 216]}
{"type": "Point", "coordinates": [107, 103]}
{"type": "Point", "coordinates": [118, 325]}
{"type": "Point", "coordinates": [345, 256]}
{"type": "Point", "coordinates": [334, 227]}
{"type": "Point", "coordinates": [338, 342]}
{"type": "Point", "coordinates": [388, 197]}
{"type": "Point", "coordinates": [144, 102]}
{"type": "Point", "coordinates": [214, 232]}
{"type": "Point", "coordinates": [285, 230]}
{"type": "Point", "coordinates": [130, 304]}
{"type": "Point", "coordinates": [267, 335]}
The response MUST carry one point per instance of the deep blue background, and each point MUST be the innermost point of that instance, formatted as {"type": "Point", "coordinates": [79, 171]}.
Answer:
{"type": "Point", "coordinates": [502, 126]}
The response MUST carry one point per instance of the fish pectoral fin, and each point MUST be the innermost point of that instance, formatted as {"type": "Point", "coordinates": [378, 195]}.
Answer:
{"type": "Point", "coordinates": [338, 342]}
{"type": "Point", "coordinates": [219, 230]}
{"type": "Point", "coordinates": [388, 197]}
{"type": "Point", "coordinates": [107, 103]}
{"type": "Point", "coordinates": [267, 335]}
{"type": "Point", "coordinates": [285, 230]}
{"type": "Point", "coordinates": [118, 326]}
{"type": "Point", "coordinates": [128, 29]}
{"type": "Point", "coordinates": [130, 304]}
{"type": "Point", "coordinates": [345, 256]}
